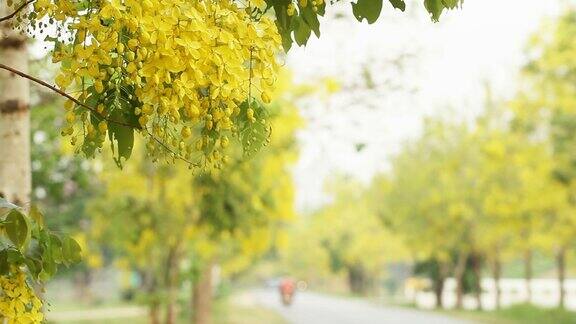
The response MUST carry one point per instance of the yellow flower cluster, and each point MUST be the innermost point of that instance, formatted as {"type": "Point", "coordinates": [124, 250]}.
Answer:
{"type": "Point", "coordinates": [177, 69]}
{"type": "Point", "coordinates": [18, 303]}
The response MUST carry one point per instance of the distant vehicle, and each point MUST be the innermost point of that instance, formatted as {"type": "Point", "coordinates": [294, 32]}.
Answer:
{"type": "Point", "coordinates": [287, 288]}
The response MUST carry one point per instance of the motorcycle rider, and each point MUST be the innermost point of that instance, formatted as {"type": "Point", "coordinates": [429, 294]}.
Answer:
{"type": "Point", "coordinates": [287, 288]}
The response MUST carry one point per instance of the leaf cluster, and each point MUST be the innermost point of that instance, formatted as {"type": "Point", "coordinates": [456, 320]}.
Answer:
{"type": "Point", "coordinates": [26, 242]}
{"type": "Point", "coordinates": [298, 26]}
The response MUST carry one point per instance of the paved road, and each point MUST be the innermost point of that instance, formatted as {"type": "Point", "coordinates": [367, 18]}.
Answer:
{"type": "Point", "coordinates": [312, 308]}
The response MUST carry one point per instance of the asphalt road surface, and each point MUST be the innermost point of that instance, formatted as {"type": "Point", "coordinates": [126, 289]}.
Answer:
{"type": "Point", "coordinates": [312, 308]}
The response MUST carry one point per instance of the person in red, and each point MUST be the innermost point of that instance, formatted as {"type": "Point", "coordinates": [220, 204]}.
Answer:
{"type": "Point", "coordinates": [287, 288]}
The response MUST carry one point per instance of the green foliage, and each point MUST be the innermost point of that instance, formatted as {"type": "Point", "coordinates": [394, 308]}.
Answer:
{"type": "Point", "coordinates": [121, 125]}
{"type": "Point", "coordinates": [436, 7]}
{"type": "Point", "coordinates": [301, 31]}
{"type": "Point", "coordinates": [254, 127]}
{"type": "Point", "coordinates": [301, 23]}
{"type": "Point", "coordinates": [121, 138]}
{"type": "Point", "coordinates": [28, 243]}
{"type": "Point", "coordinates": [17, 228]}
{"type": "Point", "coordinates": [298, 26]}
{"type": "Point", "coordinates": [367, 9]}
{"type": "Point", "coordinates": [371, 9]}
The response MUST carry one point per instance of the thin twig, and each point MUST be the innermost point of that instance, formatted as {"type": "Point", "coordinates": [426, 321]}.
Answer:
{"type": "Point", "coordinates": [76, 101]}
{"type": "Point", "coordinates": [10, 16]}
{"type": "Point", "coordinates": [64, 94]}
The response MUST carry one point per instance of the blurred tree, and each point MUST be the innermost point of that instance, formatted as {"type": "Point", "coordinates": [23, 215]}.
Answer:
{"type": "Point", "coordinates": [519, 196]}
{"type": "Point", "coordinates": [165, 222]}
{"type": "Point", "coordinates": [62, 182]}
{"type": "Point", "coordinates": [432, 200]}
{"type": "Point", "coordinates": [460, 195]}
{"type": "Point", "coordinates": [545, 109]}
{"type": "Point", "coordinates": [346, 237]}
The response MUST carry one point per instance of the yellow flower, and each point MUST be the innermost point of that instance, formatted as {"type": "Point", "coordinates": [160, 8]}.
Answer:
{"type": "Point", "coordinates": [18, 303]}
{"type": "Point", "coordinates": [180, 67]}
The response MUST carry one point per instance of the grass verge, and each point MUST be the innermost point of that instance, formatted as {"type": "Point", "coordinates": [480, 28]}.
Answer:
{"type": "Point", "coordinates": [226, 312]}
{"type": "Point", "coordinates": [521, 313]}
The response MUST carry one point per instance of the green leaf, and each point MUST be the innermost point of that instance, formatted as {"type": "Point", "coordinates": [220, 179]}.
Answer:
{"type": "Point", "coordinates": [253, 135]}
{"type": "Point", "coordinates": [367, 9]}
{"type": "Point", "coordinates": [37, 216]}
{"type": "Point", "coordinates": [48, 266]}
{"type": "Point", "coordinates": [71, 251]}
{"type": "Point", "coordinates": [15, 257]}
{"type": "Point", "coordinates": [451, 4]}
{"type": "Point", "coordinates": [286, 40]}
{"type": "Point", "coordinates": [121, 138]}
{"type": "Point", "coordinates": [311, 18]}
{"type": "Point", "coordinates": [34, 266]}
{"type": "Point", "coordinates": [56, 248]}
{"type": "Point", "coordinates": [435, 7]}
{"type": "Point", "coordinates": [301, 32]}
{"type": "Point", "coordinates": [17, 228]}
{"type": "Point", "coordinates": [398, 4]}
{"type": "Point", "coordinates": [283, 23]}
{"type": "Point", "coordinates": [4, 264]}
{"type": "Point", "coordinates": [360, 146]}
{"type": "Point", "coordinates": [321, 9]}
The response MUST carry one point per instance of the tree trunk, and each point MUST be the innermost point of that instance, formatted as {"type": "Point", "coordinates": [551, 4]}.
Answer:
{"type": "Point", "coordinates": [202, 297]}
{"type": "Point", "coordinates": [438, 291]}
{"type": "Point", "coordinates": [528, 274]}
{"type": "Point", "coordinates": [83, 280]}
{"type": "Point", "coordinates": [151, 287]}
{"type": "Point", "coordinates": [497, 274]}
{"type": "Point", "coordinates": [477, 268]}
{"type": "Point", "coordinates": [154, 313]}
{"type": "Point", "coordinates": [439, 284]}
{"type": "Point", "coordinates": [15, 168]}
{"type": "Point", "coordinates": [357, 279]}
{"type": "Point", "coordinates": [171, 285]}
{"type": "Point", "coordinates": [458, 276]}
{"type": "Point", "coordinates": [561, 264]}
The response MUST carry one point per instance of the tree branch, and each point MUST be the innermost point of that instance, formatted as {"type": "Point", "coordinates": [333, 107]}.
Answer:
{"type": "Point", "coordinates": [10, 16]}
{"type": "Point", "coordinates": [64, 94]}
{"type": "Point", "coordinates": [93, 110]}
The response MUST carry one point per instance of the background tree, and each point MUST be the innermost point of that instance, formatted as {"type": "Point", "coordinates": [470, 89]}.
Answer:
{"type": "Point", "coordinates": [544, 107]}
{"type": "Point", "coordinates": [355, 245]}
{"type": "Point", "coordinates": [169, 224]}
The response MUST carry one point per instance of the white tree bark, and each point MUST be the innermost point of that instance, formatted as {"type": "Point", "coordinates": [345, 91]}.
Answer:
{"type": "Point", "coordinates": [15, 169]}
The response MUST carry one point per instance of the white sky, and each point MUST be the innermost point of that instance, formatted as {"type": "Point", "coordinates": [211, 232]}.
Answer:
{"type": "Point", "coordinates": [444, 74]}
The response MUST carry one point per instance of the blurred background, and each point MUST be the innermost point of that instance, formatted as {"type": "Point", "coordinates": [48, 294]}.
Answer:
{"type": "Point", "coordinates": [416, 173]}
